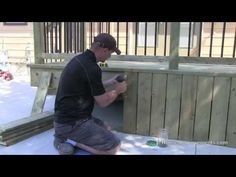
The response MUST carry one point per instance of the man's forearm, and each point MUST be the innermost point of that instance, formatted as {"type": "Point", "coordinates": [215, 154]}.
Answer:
{"type": "Point", "coordinates": [112, 95]}
{"type": "Point", "coordinates": [107, 98]}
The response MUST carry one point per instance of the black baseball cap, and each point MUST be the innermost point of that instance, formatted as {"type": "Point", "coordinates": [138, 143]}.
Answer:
{"type": "Point", "coordinates": [107, 41]}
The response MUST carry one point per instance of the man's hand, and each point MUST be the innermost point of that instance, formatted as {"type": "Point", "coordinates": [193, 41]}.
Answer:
{"type": "Point", "coordinates": [121, 87]}
{"type": "Point", "coordinates": [108, 97]}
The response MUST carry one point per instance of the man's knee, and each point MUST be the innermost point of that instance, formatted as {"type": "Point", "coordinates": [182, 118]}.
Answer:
{"type": "Point", "coordinates": [63, 147]}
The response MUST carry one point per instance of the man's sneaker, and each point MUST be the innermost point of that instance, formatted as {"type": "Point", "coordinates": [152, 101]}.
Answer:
{"type": "Point", "coordinates": [63, 148]}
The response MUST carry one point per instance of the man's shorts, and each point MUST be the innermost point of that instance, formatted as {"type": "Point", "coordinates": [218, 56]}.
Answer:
{"type": "Point", "coordinates": [91, 132]}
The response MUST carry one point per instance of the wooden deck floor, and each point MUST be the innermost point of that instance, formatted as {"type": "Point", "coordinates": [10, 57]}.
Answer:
{"type": "Point", "coordinates": [42, 144]}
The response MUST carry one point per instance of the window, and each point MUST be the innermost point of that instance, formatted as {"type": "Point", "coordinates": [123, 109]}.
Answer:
{"type": "Point", "coordinates": [184, 35]}
{"type": "Point", "coordinates": [15, 23]}
{"type": "Point", "coordinates": [150, 34]}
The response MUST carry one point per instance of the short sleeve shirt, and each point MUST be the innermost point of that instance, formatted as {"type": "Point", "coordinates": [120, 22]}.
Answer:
{"type": "Point", "coordinates": [80, 81]}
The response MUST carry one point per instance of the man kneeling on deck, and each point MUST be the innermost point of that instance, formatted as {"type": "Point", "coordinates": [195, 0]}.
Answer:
{"type": "Point", "coordinates": [79, 88]}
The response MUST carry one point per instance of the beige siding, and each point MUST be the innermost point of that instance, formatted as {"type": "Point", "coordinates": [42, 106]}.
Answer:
{"type": "Point", "coordinates": [17, 41]}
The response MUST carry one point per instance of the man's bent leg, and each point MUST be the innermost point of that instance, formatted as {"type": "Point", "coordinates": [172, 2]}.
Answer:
{"type": "Point", "coordinates": [94, 138]}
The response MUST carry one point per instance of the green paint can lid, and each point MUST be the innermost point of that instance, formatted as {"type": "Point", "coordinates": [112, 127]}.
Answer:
{"type": "Point", "coordinates": [151, 143]}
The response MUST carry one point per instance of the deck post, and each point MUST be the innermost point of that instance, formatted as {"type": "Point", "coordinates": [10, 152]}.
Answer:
{"type": "Point", "coordinates": [174, 45]}
{"type": "Point", "coordinates": [38, 42]}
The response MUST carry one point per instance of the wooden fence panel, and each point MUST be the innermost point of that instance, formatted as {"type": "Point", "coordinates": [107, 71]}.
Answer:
{"type": "Point", "coordinates": [187, 113]}
{"type": "Point", "coordinates": [130, 104]}
{"type": "Point", "coordinates": [158, 103]}
{"type": "Point", "coordinates": [231, 126]}
{"type": "Point", "coordinates": [203, 108]}
{"type": "Point", "coordinates": [173, 104]}
{"type": "Point", "coordinates": [144, 103]}
{"type": "Point", "coordinates": [219, 108]}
